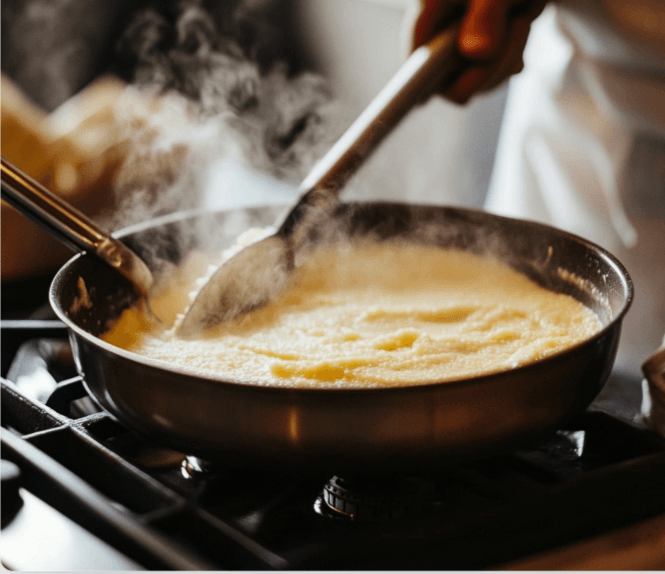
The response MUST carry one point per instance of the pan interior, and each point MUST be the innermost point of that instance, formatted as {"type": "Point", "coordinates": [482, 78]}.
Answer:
{"type": "Point", "coordinates": [92, 297]}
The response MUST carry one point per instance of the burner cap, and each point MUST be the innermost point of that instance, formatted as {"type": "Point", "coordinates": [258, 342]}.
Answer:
{"type": "Point", "coordinates": [196, 468]}
{"type": "Point", "coordinates": [378, 497]}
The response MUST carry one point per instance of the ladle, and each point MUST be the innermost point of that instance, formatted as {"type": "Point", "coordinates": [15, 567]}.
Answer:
{"type": "Point", "coordinates": [262, 270]}
{"type": "Point", "coordinates": [70, 226]}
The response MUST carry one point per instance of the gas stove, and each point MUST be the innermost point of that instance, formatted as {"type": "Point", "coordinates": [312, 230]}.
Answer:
{"type": "Point", "coordinates": [80, 491]}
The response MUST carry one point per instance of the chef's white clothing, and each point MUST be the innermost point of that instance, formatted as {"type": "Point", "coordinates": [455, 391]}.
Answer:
{"type": "Point", "coordinates": [582, 145]}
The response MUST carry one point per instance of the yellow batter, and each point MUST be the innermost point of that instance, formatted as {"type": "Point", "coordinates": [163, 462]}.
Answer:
{"type": "Point", "coordinates": [373, 315]}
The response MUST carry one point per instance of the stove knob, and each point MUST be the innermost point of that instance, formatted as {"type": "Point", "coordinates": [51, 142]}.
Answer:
{"type": "Point", "coordinates": [11, 498]}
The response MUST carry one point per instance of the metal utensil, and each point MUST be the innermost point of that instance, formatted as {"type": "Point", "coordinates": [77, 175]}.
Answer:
{"type": "Point", "coordinates": [263, 269]}
{"type": "Point", "coordinates": [70, 226]}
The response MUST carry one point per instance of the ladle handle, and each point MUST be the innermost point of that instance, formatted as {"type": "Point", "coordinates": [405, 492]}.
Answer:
{"type": "Point", "coordinates": [433, 66]}
{"type": "Point", "coordinates": [68, 225]}
{"type": "Point", "coordinates": [430, 67]}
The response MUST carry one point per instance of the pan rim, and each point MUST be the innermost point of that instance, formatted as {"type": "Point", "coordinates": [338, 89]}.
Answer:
{"type": "Point", "coordinates": [609, 258]}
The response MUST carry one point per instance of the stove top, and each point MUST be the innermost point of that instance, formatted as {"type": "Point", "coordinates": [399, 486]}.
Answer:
{"type": "Point", "coordinates": [82, 480]}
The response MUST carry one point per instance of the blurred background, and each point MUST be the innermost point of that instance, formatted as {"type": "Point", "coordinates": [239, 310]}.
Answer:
{"type": "Point", "coordinates": [125, 107]}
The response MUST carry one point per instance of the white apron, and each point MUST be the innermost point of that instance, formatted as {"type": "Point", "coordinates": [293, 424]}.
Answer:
{"type": "Point", "coordinates": [582, 145]}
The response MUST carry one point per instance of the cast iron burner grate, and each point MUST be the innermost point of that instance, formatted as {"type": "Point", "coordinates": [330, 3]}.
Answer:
{"type": "Point", "coordinates": [597, 474]}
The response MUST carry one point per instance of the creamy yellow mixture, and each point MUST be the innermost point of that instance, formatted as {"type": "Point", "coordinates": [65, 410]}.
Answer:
{"type": "Point", "coordinates": [372, 315]}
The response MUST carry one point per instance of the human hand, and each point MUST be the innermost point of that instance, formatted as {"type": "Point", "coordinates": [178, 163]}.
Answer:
{"type": "Point", "coordinates": [492, 35]}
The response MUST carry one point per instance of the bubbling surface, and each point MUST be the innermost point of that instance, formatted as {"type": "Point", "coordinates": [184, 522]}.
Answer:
{"type": "Point", "coordinates": [369, 315]}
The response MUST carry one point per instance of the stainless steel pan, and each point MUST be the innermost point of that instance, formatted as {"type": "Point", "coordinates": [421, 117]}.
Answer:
{"type": "Point", "coordinates": [350, 430]}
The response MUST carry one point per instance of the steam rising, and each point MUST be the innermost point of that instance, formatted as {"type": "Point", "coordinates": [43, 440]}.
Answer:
{"type": "Point", "coordinates": [207, 88]}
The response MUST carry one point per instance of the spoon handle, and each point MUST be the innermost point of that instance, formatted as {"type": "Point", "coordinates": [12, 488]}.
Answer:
{"type": "Point", "coordinates": [430, 67]}
{"type": "Point", "coordinates": [68, 225]}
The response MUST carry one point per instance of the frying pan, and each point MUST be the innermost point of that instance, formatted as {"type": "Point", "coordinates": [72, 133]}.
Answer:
{"type": "Point", "coordinates": [352, 430]}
